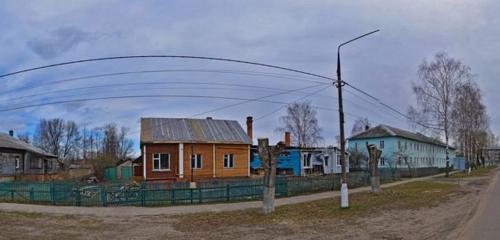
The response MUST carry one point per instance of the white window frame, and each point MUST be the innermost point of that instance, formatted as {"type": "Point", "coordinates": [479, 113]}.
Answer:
{"type": "Point", "coordinates": [339, 163]}
{"type": "Point", "coordinates": [229, 158]}
{"type": "Point", "coordinates": [304, 158]}
{"type": "Point", "coordinates": [194, 157]}
{"type": "Point", "coordinates": [382, 144]}
{"type": "Point", "coordinates": [158, 158]}
{"type": "Point", "coordinates": [17, 162]}
{"type": "Point", "coordinates": [382, 161]}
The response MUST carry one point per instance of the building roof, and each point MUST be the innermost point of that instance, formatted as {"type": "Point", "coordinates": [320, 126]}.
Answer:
{"type": "Point", "coordinates": [9, 142]}
{"type": "Point", "coordinates": [187, 130]}
{"type": "Point", "coordinates": [389, 131]}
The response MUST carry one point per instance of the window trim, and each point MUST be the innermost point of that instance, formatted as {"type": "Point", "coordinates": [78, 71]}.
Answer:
{"type": "Point", "coordinates": [201, 161]}
{"type": "Point", "coordinates": [153, 169]}
{"type": "Point", "coordinates": [17, 160]}
{"type": "Point", "coordinates": [304, 158]}
{"type": "Point", "coordinates": [230, 158]}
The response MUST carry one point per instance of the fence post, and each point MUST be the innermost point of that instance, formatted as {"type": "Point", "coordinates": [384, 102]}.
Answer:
{"type": "Point", "coordinates": [172, 196]}
{"type": "Point", "coordinates": [191, 193]}
{"type": "Point", "coordinates": [52, 194]}
{"type": "Point", "coordinates": [12, 195]}
{"type": "Point", "coordinates": [143, 196]}
{"type": "Point", "coordinates": [200, 199]}
{"type": "Point", "coordinates": [228, 192]}
{"type": "Point", "coordinates": [103, 198]}
{"type": "Point", "coordinates": [32, 195]}
{"type": "Point", "coordinates": [78, 198]}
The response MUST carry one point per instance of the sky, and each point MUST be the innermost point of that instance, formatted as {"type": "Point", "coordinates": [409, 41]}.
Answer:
{"type": "Point", "coordinates": [296, 34]}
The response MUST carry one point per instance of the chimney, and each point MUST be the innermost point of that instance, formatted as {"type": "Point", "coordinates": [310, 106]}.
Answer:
{"type": "Point", "coordinates": [367, 127]}
{"type": "Point", "coordinates": [288, 139]}
{"type": "Point", "coordinates": [250, 128]}
{"type": "Point", "coordinates": [209, 118]}
{"type": "Point", "coordinates": [11, 133]}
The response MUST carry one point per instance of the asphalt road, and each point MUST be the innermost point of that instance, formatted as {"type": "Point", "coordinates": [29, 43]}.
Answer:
{"type": "Point", "coordinates": [485, 224]}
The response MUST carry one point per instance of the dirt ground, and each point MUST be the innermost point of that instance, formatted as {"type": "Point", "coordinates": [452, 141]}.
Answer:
{"type": "Point", "coordinates": [422, 210]}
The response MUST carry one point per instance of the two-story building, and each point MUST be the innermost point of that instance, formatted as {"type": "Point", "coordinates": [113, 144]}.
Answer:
{"type": "Point", "coordinates": [191, 149]}
{"type": "Point", "coordinates": [401, 148]}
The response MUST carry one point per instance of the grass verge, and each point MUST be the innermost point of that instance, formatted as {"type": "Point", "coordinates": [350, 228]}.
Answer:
{"type": "Point", "coordinates": [412, 195]}
{"type": "Point", "coordinates": [480, 172]}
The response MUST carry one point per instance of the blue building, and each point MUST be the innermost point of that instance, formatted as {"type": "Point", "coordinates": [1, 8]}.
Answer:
{"type": "Point", "coordinates": [303, 161]}
{"type": "Point", "coordinates": [401, 148]}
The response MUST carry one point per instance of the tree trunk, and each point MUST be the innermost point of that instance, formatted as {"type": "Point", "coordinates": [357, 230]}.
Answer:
{"type": "Point", "coordinates": [269, 189]}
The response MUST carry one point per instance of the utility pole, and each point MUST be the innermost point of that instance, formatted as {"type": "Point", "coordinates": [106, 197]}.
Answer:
{"type": "Point", "coordinates": [344, 192]}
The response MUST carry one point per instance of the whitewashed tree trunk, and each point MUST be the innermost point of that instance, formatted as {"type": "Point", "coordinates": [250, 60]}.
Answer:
{"type": "Point", "coordinates": [269, 156]}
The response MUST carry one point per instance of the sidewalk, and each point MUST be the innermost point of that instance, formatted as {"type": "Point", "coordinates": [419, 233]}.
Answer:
{"type": "Point", "coordinates": [184, 209]}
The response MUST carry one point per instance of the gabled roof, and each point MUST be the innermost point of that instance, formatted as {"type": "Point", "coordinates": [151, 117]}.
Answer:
{"type": "Point", "coordinates": [187, 130]}
{"type": "Point", "coordinates": [9, 142]}
{"type": "Point", "coordinates": [388, 131]}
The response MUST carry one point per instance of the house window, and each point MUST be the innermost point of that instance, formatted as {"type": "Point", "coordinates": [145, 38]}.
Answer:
{"type": "Point", "coordinates": [229, 160]}
{"type": "Point", "coordinates": [306, 160]}
{"type": "Point", "coordinates": [399, 145]}
{"type": "Point", "coordinates": [36, 163]}
{"type": "Point", "coordinates": [406, 145]}
{"type": "Point", "coordinates": [161, 161]}
{"type": "Point", "coordinates": [339, 161]}
{"type": "Point", "coordinates": [18, 163]}
{"type": "Point", "coordinates": [382, 161]}
{"type": "Point", "coordinates": [356, 146]}
{"type": "Point", "coordinates": [196, 161]}
{"type": "Point", "coordinates": [326, 160]}
{"type": "Point", "coordinates": [381, 144]}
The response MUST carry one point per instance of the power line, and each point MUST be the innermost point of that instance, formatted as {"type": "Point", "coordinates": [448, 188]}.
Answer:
{"type": "Point", "coordinates": [246, 86]}
{"type": "Point", "coordinates": [165, 56]}
{"type": "Point", "coordinates": [283, 106]}
{"type": "Point", "coordinates": [255, 99]}
{"type": "Point", "coordinates": [391, 108]}
{"type": "Point", "coordinates": [138, 96]}
{"type": "Point", "coordinates": [250, 73]}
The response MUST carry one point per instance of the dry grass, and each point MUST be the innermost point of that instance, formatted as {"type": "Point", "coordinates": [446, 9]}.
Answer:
{"type": "Point", "coordinates": [323, 212]}
{"type": "Point", "coordinates": [480, 172]}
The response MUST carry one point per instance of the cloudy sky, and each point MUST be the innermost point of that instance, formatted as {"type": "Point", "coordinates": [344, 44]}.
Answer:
{"type": "Point", "coordinates": [296, 34]}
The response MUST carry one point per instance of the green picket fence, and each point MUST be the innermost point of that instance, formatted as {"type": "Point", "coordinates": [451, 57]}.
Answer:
{"type": "Point", "coordinates": [164, 194]}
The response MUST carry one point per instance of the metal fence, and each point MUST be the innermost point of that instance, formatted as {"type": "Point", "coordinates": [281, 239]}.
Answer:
{"type": "Point", "coordinates": [163, 194]}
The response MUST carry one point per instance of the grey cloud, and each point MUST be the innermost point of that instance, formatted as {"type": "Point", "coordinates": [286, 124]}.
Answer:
{"type": "Point", "coordinates": [60, 41]}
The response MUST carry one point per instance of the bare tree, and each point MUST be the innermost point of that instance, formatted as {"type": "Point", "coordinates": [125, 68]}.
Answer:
{"type": "Point", "coordinates": [374, 154]}
{"type": "Point", "coordinates": [435, 91]}
{"type": "Point", "coordinates": [303, 125]}
{"type": "Point", "coordinates": [360, 125]}
{"type": "Point", "coordinates": [25, 137]}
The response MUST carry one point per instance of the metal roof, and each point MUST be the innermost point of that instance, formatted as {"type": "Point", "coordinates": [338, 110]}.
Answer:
{"type": "Point", "coordinates": [9, 142]}
{"type": "Point", "coordinates": [389, 131]}
{"type": "Point", "coordinates": [187, 130]}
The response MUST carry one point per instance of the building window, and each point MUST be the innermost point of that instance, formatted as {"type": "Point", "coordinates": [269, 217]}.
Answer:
{"type": "Point", "coordinates": [406, 145]}
{"type": "Point", "coordinates": [382, 161]}
{"type": "Point", "coordinates": [229, 160]}
{"type": "Point", "coordinates": [327, 158]}
{"type": "Point", "coordinates": [339, 162]}
{"type": "Point", "coordinates": [356, 146]}
{"type": "Point", "coordinates": [381, 144]}
{"type": "Point", "coordinates": [36, 163]}
{"type": "Point", "coordinates": [18, 163]}
{"type": "Point", "coordinates": [196, 161]}
{"type": "Point", "coordinates": [161, 161]}
{"type": "Point", "coordinates": [399, 145]}
{"type": "Point", "coordinates": [306, 160]}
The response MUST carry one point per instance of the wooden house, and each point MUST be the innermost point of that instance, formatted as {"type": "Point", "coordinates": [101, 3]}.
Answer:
{"type": "Point", "coordinates": [20, 160]}
{"type": "Point", "coordinates": [191, 149]}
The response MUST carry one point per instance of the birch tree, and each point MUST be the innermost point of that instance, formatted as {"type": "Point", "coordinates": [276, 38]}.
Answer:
{"type": "Point", "coordinates": [435, 91]}
{"type": "Point", "coordinates": [302, 123]}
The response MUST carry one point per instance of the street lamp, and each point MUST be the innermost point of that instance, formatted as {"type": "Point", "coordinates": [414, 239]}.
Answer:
{"type": "Point", "coordinates": [344, 193]}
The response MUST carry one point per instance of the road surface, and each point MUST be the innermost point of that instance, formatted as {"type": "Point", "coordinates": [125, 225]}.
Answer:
{"type": "Point", "coordinates": [485, 224]}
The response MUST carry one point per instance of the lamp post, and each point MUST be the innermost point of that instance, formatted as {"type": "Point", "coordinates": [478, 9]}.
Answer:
{"type": "Point", "coordinates": [344, 193]}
